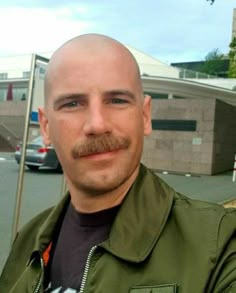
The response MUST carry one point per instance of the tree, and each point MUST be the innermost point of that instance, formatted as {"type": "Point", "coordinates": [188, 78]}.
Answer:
{"type": "Point", "coordinates": [214, 63]}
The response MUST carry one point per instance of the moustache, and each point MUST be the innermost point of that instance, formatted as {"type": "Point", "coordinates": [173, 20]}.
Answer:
{"type": "Point", "coordinates": [99, 144]}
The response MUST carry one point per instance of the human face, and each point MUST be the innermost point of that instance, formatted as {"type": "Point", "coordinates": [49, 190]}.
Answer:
{"type": "Point", "coordinates": [96, 118]}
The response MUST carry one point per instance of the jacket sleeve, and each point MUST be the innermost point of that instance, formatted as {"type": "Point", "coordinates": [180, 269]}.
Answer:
{"type": "Point", "coordinates": [20, 253]}
{"type": "Point", "coordinates": [16, 263]}
{"type": "Point", "coordinates": [223, 278]}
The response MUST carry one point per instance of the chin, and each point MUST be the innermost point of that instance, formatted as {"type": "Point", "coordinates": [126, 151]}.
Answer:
{"type": "Point", "coordinates": [100, 186]}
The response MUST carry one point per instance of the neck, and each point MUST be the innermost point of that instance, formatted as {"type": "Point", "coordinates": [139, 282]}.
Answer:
{"type": "Point", "coordinates": [86, 203]}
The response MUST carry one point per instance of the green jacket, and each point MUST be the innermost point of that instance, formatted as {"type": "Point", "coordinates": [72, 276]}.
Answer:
{"type": "Point", "coordinates": [160, 242]}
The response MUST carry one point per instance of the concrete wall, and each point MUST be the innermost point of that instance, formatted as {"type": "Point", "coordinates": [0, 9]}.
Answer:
{"type": "Point", "coordinates": [12, 123]}
{"type": "Point", "coordinates": [12, 119]}
{"type": "Point", "coordinates": [228, 83]}
{"type": "Point", "coordinates": [208, 150]}
{"type": "Point", "coordinates": [13, 108]}
{"type": "Point", "coordinates": [182, 151]}
{"type": "Point", "coordinates": [224, 137]}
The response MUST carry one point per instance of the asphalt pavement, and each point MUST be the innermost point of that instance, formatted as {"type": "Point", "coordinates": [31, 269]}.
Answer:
{"type": "Point", "coordinates": [42, 189]}
{"type": "Point", "coordinates": [217, 188]}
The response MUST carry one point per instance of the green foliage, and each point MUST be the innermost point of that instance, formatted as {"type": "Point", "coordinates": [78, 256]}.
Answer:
{"type": "Point", "coordinates": [215, 54]}
{"type": "Point", "coordinates": [213, 64]}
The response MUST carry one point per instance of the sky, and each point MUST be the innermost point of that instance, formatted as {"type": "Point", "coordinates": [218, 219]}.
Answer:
{"type": "Point", "coordinates": [169, 30]}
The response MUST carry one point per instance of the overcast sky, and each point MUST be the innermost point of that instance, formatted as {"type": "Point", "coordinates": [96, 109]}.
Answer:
{"type": "Point", "coordinates": [170, 30]}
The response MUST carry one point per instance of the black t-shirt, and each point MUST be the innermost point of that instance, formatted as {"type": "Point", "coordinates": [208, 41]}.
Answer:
{"type": "Point", "coordinates": [79, 233]}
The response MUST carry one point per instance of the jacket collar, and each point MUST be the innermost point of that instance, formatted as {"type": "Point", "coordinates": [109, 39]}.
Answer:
{"type": "Point", "coordinates": [138, 224]}
{"type": "Point", "coordinates": [141, 218]}
{"type": "Point", "coordinates": [51, 226]}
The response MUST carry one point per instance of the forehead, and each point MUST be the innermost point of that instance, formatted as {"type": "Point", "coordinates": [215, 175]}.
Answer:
{"type": "Point", "coordinates": [80, 68]}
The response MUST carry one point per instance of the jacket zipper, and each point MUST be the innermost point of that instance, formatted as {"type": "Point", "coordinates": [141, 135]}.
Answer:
{"type": "Point", "coordinates": [40, 279]}
{"type": "Point", "coordinates": [86, 269]}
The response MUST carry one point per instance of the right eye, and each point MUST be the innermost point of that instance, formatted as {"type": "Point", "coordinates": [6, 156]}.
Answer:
{"type": "Point", "coordinates": [71, 104]}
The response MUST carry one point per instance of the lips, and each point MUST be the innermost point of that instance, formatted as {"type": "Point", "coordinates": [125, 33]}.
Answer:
{"type": "Point", "coordinates": [101, 156]}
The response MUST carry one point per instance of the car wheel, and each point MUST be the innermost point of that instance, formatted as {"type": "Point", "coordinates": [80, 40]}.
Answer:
{"type": "Point", "coordinates": [33, 168]}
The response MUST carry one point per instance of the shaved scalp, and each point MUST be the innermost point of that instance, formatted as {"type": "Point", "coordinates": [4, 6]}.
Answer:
{"type": "Point", "coordinates": [89, 45]}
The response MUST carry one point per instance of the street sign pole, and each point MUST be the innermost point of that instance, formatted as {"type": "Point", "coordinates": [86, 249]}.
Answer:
{"type": "Point", "coordinates": [23, 152]}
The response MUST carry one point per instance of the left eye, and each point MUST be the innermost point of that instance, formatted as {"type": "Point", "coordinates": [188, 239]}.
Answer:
{"type": "Point", "coordinates": [119, 101]}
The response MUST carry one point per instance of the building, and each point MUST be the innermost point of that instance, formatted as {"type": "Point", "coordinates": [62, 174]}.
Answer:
{"type": "Point", "coordinates": [221, 70]}
{"type": "Point", "coordinates": [189, 118]}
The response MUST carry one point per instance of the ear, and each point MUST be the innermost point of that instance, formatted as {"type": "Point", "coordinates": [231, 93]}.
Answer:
{"type": "Point", "coordinates": [147, 119]}
{"type": "Point", "coordinates": [43, 121]}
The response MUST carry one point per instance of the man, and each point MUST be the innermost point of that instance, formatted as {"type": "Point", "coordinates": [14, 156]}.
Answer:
{"type": "Point", "coordinates": [120, 228]}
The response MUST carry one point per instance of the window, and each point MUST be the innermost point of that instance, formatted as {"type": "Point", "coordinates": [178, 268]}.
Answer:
{"type": "Point", "coordinates": [3, 75]}
{"type": "Point", "coordinates": [2, 94]}
{"type": "Point", "coordinates": [174, 125]}
{"type": "Point", "coordinates": [26, 74]}
{"type": "Point", "coordinates": [157, 95]}
{"type": "Point", "coordinates": [20, 94]}
{"type": "Point", "coordinates": [161, 96]}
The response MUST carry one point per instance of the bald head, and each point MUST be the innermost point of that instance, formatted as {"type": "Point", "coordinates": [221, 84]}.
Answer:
{"type": "Point", "coordinates": [86, 47]}
{"type": "Point", "coordinates": [94, 95]}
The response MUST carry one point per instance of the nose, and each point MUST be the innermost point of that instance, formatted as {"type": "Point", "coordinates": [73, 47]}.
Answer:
{"type": "Point", "coordinates": [97, 120]}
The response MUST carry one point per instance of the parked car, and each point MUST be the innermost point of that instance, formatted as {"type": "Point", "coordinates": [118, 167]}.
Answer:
{"type": "Point", "coordinates": [38, 155]}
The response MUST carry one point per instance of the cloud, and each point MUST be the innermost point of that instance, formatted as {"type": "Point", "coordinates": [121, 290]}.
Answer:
{"type": "Point", "coordinates": [165, 29]}
{"type": "Point", "coordinates": [169, 30]}
{"type": "Point", "coordinates": [38, 29]}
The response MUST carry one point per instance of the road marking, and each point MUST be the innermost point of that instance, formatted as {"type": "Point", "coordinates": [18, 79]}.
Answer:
{"type": "Point", "coordinates": [2, 159]}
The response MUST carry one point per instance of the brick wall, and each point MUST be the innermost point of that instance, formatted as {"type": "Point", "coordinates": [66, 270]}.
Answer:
{"type": "Point", "coordinates": [12, 119]}
{"type": "Point", "coordinates": [182, 151]}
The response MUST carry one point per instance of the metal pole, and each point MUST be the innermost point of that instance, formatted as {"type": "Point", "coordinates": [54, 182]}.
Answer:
{"type": "Point", "coordinates": [23, 151]}
{"type": "Point", "coordinates": [63, 186]}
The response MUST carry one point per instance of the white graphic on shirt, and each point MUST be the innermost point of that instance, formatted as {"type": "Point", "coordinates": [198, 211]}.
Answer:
{"type": "Point", "coordinates": [58, 290]}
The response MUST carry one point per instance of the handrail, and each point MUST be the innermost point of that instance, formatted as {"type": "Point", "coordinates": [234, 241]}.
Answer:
{"type": "Point", "coordinates": [9, 130]}
{"type": "Point", "coordinates": [8, 133]}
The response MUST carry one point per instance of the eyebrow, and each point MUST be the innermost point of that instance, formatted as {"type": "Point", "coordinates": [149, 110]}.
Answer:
{"type": "Point", "coordinates": [121, 92]}
{"type": "Point", "coordinates": [69, 97]}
